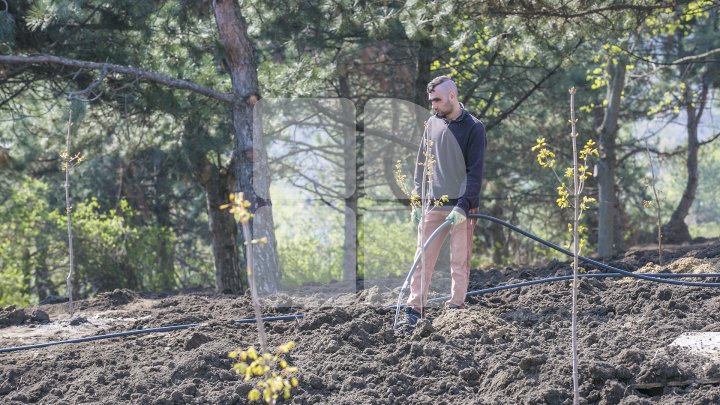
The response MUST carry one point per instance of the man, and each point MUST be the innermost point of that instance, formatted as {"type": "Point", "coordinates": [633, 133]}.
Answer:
{"type": "Point", "coordinates": [457, 144]}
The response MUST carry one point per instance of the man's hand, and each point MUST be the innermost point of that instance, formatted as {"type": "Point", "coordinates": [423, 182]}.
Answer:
{"type": "Point", "coordinates": [456, 217]}
{"type": "Point", "coordinates": [416, 214]}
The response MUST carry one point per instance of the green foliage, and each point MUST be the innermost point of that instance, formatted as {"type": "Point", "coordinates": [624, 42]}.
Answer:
{"type": "Point", "coordinates": [704, 217]}
{"type": "Point", "coordinates": [26, 240]}
{"type": "Point", "coordinates": [388, 246]}
{"type": "Point", "coordinates": [306, 260]}
{"type": "Point", "coordinates": [309, 249]}
{"type": "Point", "coordinates": [111, 252]}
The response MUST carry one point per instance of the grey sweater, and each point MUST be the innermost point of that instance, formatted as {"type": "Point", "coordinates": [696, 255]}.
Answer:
{"type": "Point", "coordinates": [458, 148]}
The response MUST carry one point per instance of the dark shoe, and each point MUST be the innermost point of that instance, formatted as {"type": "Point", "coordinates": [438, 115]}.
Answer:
{"type": "Point", "coordinates": [453, 306]}
{"type": "Point", "coordinates": [407, 322]}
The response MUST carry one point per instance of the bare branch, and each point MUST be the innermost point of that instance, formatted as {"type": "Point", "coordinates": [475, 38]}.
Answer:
{"type": "Point", "coordinates": [658, 152]}
{"type": "Point", "coordinates": [693, 58]}
{"type": "Point", "coordinates": [113, 68]}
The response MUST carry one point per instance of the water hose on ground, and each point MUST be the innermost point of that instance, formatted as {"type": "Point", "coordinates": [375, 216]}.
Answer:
{"type": "Point", "coordinates": [141, 331]}
{"type": "Point", "coordinates": [412, 270]}
{"type": "Point", "coordinates": [658, 278]}
{"type": "Point", "coordinates": [562, 278]}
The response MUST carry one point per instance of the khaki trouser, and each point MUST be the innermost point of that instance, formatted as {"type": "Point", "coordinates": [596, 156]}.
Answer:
{"type": "Point", "coordinates": [460, 253]}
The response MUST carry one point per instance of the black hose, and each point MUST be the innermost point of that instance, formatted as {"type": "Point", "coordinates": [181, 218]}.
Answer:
{"type": "Point", "coordinates": [140, 331]}
{"type": "Point", "coordinates": [412, 270]}
{"type": "Point", "coordinates": [561, 278]}
{"type": "Point", "coordinates": [595, 263]}
{"type": "Point", "coordinates": [658, 278]}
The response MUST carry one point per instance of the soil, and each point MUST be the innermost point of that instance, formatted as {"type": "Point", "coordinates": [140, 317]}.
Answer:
{"type": "Point", "coordinates": [507, 347]}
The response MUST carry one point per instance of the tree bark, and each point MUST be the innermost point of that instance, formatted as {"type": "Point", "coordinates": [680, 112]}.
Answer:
{"type": "Point", "coordinates": [229, 274]}
{"type": "Point", "coordinates": [676, 230]}
{"type": "Point", "coordinates": [251, 172]}
{"type": "Point", "coordinates": [217, 182]}
{"type": "Point", "coordinates": [422, 74]}
{"type": "Point", "coordinates": [607, 201]}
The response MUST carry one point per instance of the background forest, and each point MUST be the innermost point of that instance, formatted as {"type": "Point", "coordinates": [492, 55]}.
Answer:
{"type": "Point", "coordinates": [158, 99]}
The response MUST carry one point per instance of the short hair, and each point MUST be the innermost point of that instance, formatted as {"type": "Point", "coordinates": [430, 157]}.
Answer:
{"type": "Point", "coordinates": [437, 81]}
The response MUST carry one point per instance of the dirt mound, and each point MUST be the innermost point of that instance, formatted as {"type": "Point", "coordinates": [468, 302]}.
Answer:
{"type": "Point", "coordinates": [116, 298]}
{"type": "Point", "coordinates": [17, 316]}
{"type": "Point", "coordinates": [507, 347]}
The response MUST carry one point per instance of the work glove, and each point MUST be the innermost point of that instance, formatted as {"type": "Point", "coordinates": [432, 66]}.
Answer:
{"type": "Point", "coordinates": [456, 217]}
{"type": "Point", "coordinates": [416, 214]}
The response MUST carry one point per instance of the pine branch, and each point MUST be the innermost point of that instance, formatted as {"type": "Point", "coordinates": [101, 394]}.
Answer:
{"type": "Point", "coordinates": [113, 68]}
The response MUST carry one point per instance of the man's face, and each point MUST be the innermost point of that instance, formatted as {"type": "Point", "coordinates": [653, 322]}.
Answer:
{"type": "Point", "coordinates": [440, 102]}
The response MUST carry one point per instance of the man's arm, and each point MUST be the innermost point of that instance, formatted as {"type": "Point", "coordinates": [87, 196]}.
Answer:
{"type": "Point", "coordinates": [474, 168]}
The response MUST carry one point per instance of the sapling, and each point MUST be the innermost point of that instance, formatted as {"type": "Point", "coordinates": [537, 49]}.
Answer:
{"type": "Point", "coordinates": [578, 173]}
{"type": "Point", "coordinates": [646, 204]}
{"type": "Point", "coordinates": [68, 162]}
{"type": "Point", "coordinates": [276, 375]}
{"type": "Point", "coordinates": [239, 208]}
{"type": "Point", "coordinates": [421, 202]}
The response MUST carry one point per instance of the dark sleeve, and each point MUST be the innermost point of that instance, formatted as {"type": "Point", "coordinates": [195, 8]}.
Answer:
{"type": "Point", "coordinates": [419, 160]}
{"type": "Point", "coordinates": [474, 168]}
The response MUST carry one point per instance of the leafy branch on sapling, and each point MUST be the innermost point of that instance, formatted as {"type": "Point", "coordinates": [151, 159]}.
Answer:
{"type": "Point", "coordinates": [68, 162]}
{"type": "Point", "coordinates": [277, 377]}
{"type": "Point", "coordinates": [546, 159]}
{"type": "Point", "coordinates": [578, 172]}
{"type": "Point", "coordinates": [401, 180]}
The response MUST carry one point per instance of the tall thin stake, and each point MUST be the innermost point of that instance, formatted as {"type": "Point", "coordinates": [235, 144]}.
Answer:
{"type": "Point", "coordinates": [576, 247]}
{"type": "Point", "coordinates": [67, 164]}
{"type": "Point", "coordinates": [251, 280]}
{"type": "Point", "coordinates": [239, 208]}
{"type": "Point", "coordinates": [424, 211]}
{"type": "Point", "coordinates": [657, 206]}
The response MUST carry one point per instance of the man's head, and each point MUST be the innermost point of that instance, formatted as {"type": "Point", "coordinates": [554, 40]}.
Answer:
{"type": "Point", "coordinates": [442, 93]}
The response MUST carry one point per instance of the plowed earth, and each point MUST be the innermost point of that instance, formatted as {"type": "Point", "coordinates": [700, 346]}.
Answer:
{"type": "Point", "coordinates": [507, 347]}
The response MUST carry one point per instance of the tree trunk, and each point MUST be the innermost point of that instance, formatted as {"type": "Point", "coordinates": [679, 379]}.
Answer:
{"type": "Point", "coordinates": [621, 218]}
{"type": "Point", "coordinates": [350, 154]}
{"type": "Point", "coordinates": [217, 182]}
{"type": "Point", "coordinates": [43, 285]}
{"type": "Point", "coordinates": [607, 132]}
{"type": "Point", "coordinates": [251, 172]}
{"type": "Point", "coordinates": [676, 230]}
{"type": "Point", "coordinates": [350, 244]}
{"type": "Point", "coordinates": [496, 232]}
{"type": "Point", "coordinates": [229, 274]}
{"type": "Point", "coordinates": [425, 58]}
